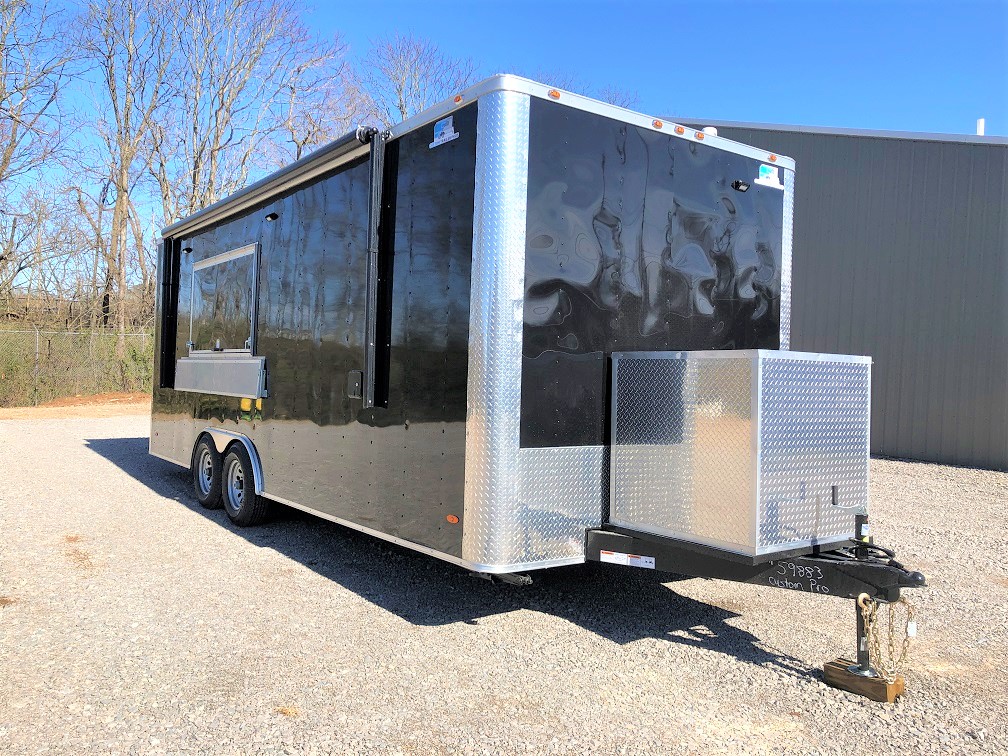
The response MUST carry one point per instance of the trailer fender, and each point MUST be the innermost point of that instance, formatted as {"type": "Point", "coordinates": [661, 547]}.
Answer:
{"type": "Point", "coordinates": [223, 439]}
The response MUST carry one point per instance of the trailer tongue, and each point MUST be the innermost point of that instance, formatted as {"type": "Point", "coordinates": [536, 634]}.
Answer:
{"type": "Point", "coordinates": [859, 570]}
{"type": "Point", "coordinates": [847, 571]}
{"type": "Point", "coordinates": [750, 466]}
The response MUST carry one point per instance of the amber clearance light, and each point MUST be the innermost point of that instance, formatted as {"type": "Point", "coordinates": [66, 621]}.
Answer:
{"type": "Point", "coordinates": [554, 94]}
{"type": "Point", "coordinates": [452, 519]}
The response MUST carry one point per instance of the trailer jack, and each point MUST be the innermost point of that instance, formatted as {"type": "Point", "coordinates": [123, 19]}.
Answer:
{"type": "Point", "coordinates": [883, 682]}
{"type": "Point", "coordinates": [859, 570]}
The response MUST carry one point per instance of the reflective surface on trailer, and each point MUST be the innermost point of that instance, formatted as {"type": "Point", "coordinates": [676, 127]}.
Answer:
{"type": "Point", "coordinates": [398, 468]}
{"type": "Point", "coordinates": [741, 450]}
{"type": "Point", "coordinates": [636, 241]}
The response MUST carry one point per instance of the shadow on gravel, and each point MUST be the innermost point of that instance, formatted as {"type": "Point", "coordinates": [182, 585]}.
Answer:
{"type": "Point", "coordinates": [621, 605]}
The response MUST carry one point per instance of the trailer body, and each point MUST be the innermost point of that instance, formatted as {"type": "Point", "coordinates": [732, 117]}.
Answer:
{"type": "Point", "coordinates": [413, 332]}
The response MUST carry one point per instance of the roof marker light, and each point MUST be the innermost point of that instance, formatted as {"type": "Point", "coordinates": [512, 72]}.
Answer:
{"type": "Point", "coordinates": [680, 130]}
{"type": "Point", "coordinates": [656, 123]}
{"type": "Point", "coordinates": [554, 94]}
{"type": "Point", "coordinates": [773, 158]}
{"type": "Point", "coordinates": [458, 99]}
{"type": "Point", "coordinates": [699, 135]}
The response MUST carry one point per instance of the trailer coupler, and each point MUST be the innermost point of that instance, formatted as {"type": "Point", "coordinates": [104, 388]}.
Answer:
{"type": "Point", "coordinates": [846, 571]}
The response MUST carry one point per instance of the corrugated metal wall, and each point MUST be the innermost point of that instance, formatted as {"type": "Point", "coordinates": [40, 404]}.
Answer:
{"type": "Point", "coordinates": [901, 253]}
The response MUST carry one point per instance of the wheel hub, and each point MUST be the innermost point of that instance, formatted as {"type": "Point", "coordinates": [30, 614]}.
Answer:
{"type": "Point", "coordinates": [205, 472]}
{"type": "Point", "coordinates": [236, 485]}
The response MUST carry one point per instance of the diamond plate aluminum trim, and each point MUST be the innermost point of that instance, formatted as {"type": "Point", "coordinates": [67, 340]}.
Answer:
{"type": "Point", "coordinates": [682, 457]}
{"type": "Point", "coordinates": [785, 284]}
{"type": "Point", "coordinates": [524, 508]}
{"type": "Point", "coordinates": [740, 450]}
{"type": "Point", "coordinates": [562, 495]}
{"type": "Point", "coordinates": [814, 431]}
{"type": "Point", "coordinates": [491, 534]}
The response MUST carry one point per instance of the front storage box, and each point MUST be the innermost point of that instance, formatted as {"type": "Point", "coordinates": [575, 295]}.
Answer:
{"type": "Point", "coordinates": [755, 452]}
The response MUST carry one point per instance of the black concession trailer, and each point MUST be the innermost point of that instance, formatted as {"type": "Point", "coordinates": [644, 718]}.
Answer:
{"type": "Point", "coordinates": [522, 329]}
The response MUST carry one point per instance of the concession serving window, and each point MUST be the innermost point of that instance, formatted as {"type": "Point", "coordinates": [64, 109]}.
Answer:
{"type": "Point", "coordinates": [222, 309]}
{"type": "Point", "coordinates": [222, 327]}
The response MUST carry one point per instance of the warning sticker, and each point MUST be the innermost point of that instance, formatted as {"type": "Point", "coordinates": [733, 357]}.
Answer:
{"type": "Point", "coordinates": [629, 560]}
{"type": "Point", "coordinates": [768, 176]}
{"type": "Point", "coordinates": [444, 131]}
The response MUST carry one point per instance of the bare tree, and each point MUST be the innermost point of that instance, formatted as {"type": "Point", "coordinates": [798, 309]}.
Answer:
{"type": "Point", "coordinates": [624, 98]}
{"type": "Point", "coordinates": [143, 256]}
{"type": "Point", "coordinates": [33, 71]}
{"type": "Point", "coordinates": [19, 253]}
{"type": "Point", "coordinates": [92, 211]}
{"type": "Point", "coordinates": [319, 108]}
{"type": "Point", "coordinates": [131, 43]}
{"type": "Point", "coordinates": [49, 263]}
{"type": "Point", "coordinates": [248, 78]}
{"type": "Point", "coordinates": [403, 75]}
{"type": "Point", "coordinates": [560, 79]}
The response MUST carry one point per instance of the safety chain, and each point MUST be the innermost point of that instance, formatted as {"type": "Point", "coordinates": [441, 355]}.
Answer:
{"type": "Point", "coordinates": [892, 665]}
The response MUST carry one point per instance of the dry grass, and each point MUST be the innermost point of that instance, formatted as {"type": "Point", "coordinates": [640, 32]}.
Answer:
{"type": "Point", "coordinates": [289, 711]}
{"type": "Point", "coordinates": [117, 408]}
{"type": "Point", "coordinates": [6, 601]}
{"type": "Point", "coordinates": [113, 397]}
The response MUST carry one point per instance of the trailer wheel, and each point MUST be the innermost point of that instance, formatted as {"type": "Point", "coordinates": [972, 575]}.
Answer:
{"type": "Point", "coordinates": [206, 472]}
{"type": "Point", "coordinates": [242, 504]}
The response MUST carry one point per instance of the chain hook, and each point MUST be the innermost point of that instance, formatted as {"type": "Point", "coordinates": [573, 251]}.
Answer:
{"type": "Point", "coordinates": [893, 664]}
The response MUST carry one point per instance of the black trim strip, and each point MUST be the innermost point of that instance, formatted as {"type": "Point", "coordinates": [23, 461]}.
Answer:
{"type": "Point", "coordinates": [377, 178]}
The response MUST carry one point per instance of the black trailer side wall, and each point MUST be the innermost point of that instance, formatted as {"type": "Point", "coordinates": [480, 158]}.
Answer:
{"type": "Point", "coordinates": [398, 468]}
{"type": "Point", "coordinates": [636, 241]}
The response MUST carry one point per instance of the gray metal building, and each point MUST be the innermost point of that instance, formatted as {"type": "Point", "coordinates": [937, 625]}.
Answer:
{"type": "Point", "coordinates": [901, 253]}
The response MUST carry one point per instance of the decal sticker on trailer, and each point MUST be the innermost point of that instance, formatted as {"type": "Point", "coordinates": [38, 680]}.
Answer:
{"type": "Point", "coordinates": [629, 560]}
{"type": "Point", "coordinates": [444, 131]}
{"type": "Point", "coordinates": [769, 176]}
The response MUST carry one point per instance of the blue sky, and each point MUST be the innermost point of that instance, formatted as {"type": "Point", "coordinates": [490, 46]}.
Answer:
{"type": "Point", "coordinates": [910, 66]}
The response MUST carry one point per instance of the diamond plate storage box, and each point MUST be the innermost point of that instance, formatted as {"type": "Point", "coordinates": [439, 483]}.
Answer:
{"type": "Point", "coordinates": [756, 452]}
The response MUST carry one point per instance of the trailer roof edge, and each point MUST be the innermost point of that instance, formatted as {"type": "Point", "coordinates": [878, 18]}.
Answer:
{"type": "Point", "coordinates": [353, 144]}
{"type": "Point", "coordinates": [295, 173]}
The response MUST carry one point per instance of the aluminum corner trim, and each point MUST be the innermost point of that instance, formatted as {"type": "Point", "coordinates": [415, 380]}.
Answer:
{"type": "Point", "coordinates": [786, 239]}
{"type": "Point", "coordinates": [492, 469]}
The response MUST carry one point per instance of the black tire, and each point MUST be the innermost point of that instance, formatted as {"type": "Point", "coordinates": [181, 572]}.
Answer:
{"type": "Point", "coordinates": [206, 473]}
{"type": "Point", "coordinates": [242, 504]}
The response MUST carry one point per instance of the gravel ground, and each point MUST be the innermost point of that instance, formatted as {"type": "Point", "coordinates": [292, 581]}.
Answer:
{"type": "Point", "coordinates": [132, 621]}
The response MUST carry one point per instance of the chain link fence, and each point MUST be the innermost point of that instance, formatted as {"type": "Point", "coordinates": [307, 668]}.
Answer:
{"type": "Point", "coordinates": [39, 366]}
